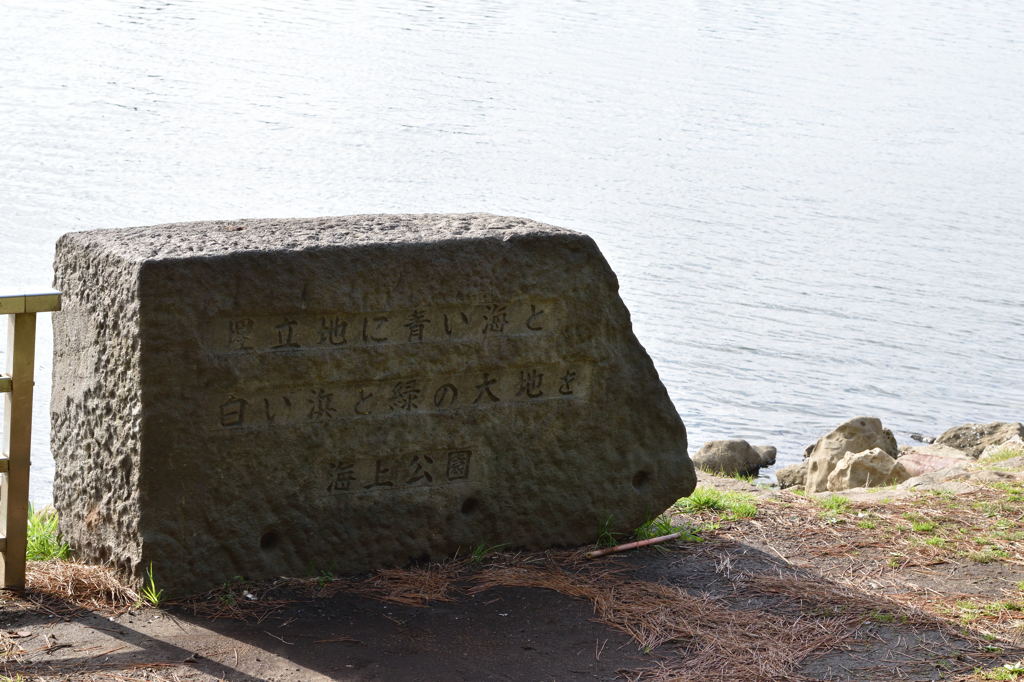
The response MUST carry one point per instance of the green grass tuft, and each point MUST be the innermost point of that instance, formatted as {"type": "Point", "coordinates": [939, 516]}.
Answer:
{"type": "Point", "coordinates": [662, 525]}
{"type": "Point", "coordinates": [731, 505]}
{"type": "Point", "coordinates": [987, 556]}
{"type": "Point", "coordinates": [150, 593]}
{"type": "Point", "coordinates": [324, 579]}
{"type": "Point", "coordinates": [882, 617]}
{"type": "Point", "coordinates": [43, 538]}
{"type": "Point", "coordinates": [656, 527]}
{"type": "Point", "coordinates": [836, 504]}
{"type": "Point", "coordinates": [483, 550]}
{"type": "Point", "coordinates": [1002, 455]}
{"type": "Point", "coordinates": [1007, 671]}
{"type": "Point", "coordinates": [605, 536]}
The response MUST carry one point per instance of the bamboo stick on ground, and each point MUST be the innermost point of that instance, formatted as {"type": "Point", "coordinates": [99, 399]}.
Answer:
{"type": "Point", "coordinates": [631, 545]}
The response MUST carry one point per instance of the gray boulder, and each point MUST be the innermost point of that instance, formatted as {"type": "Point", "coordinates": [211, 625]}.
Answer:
{"type": "Point", "coordinates": [792, 476]}
{"type": "Point", "coordinates": [974, 438]}
{"type": "Point", "coordinates": [871, 468]}
{"type": "Point", "coordinates": [729, 457]}
{"type": "Point", "coordinates": [856, 435]}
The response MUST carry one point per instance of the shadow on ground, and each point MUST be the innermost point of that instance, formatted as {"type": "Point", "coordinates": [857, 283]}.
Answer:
{"type": "Point", "coordinates": [721, 609]}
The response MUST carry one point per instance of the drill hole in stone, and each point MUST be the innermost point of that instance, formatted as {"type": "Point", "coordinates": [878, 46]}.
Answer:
{"type": "Point", "coordinates": [269, 540]}
{"type": "Point", "coordinates": [640, 479]}
{"type": "Point", "coordinates": [470, 505]}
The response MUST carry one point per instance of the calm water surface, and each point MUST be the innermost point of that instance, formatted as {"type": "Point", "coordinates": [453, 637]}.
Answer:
{"type": "Point", "coordinates": [814, 209]}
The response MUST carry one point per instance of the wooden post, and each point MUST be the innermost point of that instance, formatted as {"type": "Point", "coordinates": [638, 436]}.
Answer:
{"type": "Point", "coordinates": [16, 385]}
{"type": "Point", "coordinates": [17, 445]}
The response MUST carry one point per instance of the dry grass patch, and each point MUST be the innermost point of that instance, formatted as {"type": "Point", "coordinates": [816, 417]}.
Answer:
{"type": "Point", "coordinates": [239, 600]}
{"type": "Point", "coordinates": [904, 539]}
{"type": "Point", "coordinates": [68, 586]}
{"type": "Point", "coordinates": [415, 586]}
{"type": "Point", "coordinates": [999, 619]}
{"type": "Point", "coordinates": [845, 571]}
{"type": "Point", "coordinates": [981, 526]}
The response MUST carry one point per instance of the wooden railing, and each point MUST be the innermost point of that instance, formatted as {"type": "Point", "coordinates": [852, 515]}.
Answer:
{"type": "Point", "coordinates": [15, 449]}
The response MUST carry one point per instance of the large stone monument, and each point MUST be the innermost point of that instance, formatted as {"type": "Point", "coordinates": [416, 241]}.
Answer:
{"type": "Point", "coordinates": [284, 397]}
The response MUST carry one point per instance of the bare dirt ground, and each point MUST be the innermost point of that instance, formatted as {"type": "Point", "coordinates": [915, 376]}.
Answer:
{"type": "Point", "coordinates": [922, 587]}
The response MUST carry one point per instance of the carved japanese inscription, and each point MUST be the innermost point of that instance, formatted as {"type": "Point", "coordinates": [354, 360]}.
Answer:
{"type": "Point", "coordinates": [260, 397]}
{"type": "Point", "coordinates": [275, 407]}
{"type": "Point", "coordinates": [335, 330]}
{"type": "Point", "coordinates": [384, 472]}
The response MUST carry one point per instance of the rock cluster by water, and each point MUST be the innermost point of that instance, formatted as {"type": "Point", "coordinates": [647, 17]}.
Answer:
{"type": "Point", "coordinates": [862, 453]}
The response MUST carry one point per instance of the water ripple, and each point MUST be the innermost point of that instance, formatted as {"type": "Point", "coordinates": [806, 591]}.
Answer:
{"type": "Point", "coordinates": [813, 209]}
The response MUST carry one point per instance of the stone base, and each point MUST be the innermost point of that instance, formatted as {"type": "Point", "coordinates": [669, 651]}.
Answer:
{"type": "Point", "coordinates": [283, 397]}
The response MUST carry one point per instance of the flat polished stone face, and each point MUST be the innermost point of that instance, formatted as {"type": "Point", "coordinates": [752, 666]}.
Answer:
{"type": "Point", "coordinates": [285, 397]}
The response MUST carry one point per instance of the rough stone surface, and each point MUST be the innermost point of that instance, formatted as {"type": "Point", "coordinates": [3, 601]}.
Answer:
{"type": "Point", "coordinates": [989, 476]}
{"type": "Point", "coordinates": [767, 454]}
{"type": "Point", "coordinates": [970, 473]}
{"type": "Point", "coordinates": [934, 480]}
{"type": "Point", "coordinates": [921, 459]}
{"type": "Point", "coordinates": [1014, 444]}
{"type": "Point", "coordinates": [792, 475]}
{"type": "Point", "coordinates": [1013, 463]}
{"type": "Point", "coordinates": [868, 469]}
{"type": "Point", "coordinates": [284, 397]}
{"type": "Point", "coordinates": [729, 457]}
{"type": "Point", "coordinates": [856, 435]}
{"type": "Point", "coordinates": [974, 438]}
